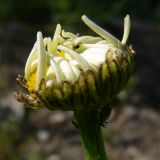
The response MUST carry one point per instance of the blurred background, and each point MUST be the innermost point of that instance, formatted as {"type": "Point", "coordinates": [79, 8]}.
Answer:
{"type": "Point", "coordinates": [133, 130]}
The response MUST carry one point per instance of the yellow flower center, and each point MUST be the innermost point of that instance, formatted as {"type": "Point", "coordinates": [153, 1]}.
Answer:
{"type": "Point", "coordinates": [62, 54]}
{"type": "Point", "coordinates": [31, 83]}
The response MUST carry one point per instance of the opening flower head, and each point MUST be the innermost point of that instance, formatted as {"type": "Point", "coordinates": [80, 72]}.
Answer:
{"type": "Point", "coordinates": [72, 72]}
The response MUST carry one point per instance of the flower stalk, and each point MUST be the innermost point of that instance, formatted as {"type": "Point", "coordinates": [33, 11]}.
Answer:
{"type": "Point", "coordinates": [91, 134]}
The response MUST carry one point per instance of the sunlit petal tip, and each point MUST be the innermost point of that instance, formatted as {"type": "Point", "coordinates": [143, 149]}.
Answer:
{"type": "Point", "coordinates": [39, 35]}
{"type": "Point", "coordinates": [126, 29]}
{"type": "Point", "coordinates": [84, 17]}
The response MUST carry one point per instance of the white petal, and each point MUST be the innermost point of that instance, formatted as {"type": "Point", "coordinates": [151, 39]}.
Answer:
{"type": "Point", "coordinates": [106, 35]}
{"type": "Point", "coordinates": [69, 43]}
{"type": "Point", "coordinates": [57, 70]}
{"type": "Point", "coordinates": [55, 40]}
{"type": "Point", "coordinates": [68, 34]}
{"type": "Point", "coordinates": [49, 83]}
{"type": "Point", "coordinates": [75, 70]}
{"type": "Point", "coordinates": [50, 46]}
{"type": "Point", "coordinates": [96, 55]}
{"type": "Point", "coordinates": [31, 58]}
{"type": "Point", "coordinates": [75, 63]}
{"type": "Point", "coordinates": [94, 68]}
{"type": "Point", "coordinates": [60, 39]}
{"type": "Point", "coordinates": [86, 39]}
{"type": "Point", "coordinates": [102, 42]}
{"type": "Point", "coordinates": [67, 56]}
{"type": "Point", "coordinates": [45, 40]}
{"type": "Point", "coordinates": [41, 66]}
{"type": "Point", "coordinates": [75, 56]}
{"type": "Point", "coordinates": [58, 59]}
{"type": "Point", "coordinates": [50, 75]}
{"type": "Point", "coordinates": [34, 65]}
{"type": "Point", "coordinates": [126, 29]}
{"type": "Point", "coordinates": [67, 70]}
{"type": "Point", "coordinates": [94, 45]}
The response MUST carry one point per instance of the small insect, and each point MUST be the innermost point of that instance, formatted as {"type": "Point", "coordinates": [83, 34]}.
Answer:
{"type": "Point", "coordinates": [104, 114]}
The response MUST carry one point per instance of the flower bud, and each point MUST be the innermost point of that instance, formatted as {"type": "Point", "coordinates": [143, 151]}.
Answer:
{"type": "Point", "coordinates": [71, 72]}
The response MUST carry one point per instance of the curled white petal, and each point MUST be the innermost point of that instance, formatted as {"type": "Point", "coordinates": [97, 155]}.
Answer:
{"type": "Point", "coordinates": [58, 59]}
{"type": "Point", "coordinates": [34, 65]}
{"type": "Point", "coordinates": [49, 83]}
{"type": "Point", "coordinates": [31, 58]}
{"type": "Point", "coordinates": [75, 70]}
{"type": "Point", "coordinates": [57, 70]}
{"type": "Point", "coordinates": [69, 44]}
{"type": "Point", "coordinates": [41, 65]}
{"type": "Point", "coordinates": [75, 63]}
{"type": "Point", "coordinates": [94, 45]}
{"type": "Point", "coordinates": [75, 56]}
{"type": "Point", "coordinates": [94, 68]}
{"type": "Point", "coordinates": [68, 34]}
{"type": "Point", "coordinates": [50, 75]}
{"type": "Point", "coordinates": [67, 70]}
{"type": "Point", "coordinates": [49, 45]}
{"type": "Point", "coordinates": [60, 39]}
{"type": "Point", "coordinates": [67, 56]}
{"type": "Point", "coordinates": [126, 29]}
{"type": "Point", "coordinates": [106, 35]}
{"type": "Point", "coordinates": [86, 39]}
{"type": "Point", "coordinates": [45, 40]}
{"type": "Point", "coordinates": [104, 42]}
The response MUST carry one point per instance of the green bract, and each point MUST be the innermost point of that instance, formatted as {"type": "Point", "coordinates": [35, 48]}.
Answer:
{"type": "Point", "coordinates": [72, 72]}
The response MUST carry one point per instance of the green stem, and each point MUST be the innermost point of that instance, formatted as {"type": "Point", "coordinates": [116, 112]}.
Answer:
{"type": "Point", "coordinates": [91, 134]}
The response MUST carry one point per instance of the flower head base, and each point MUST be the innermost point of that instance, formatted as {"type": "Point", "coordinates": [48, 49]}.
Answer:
{"type": "Point", "coordinates": [71, 72]}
